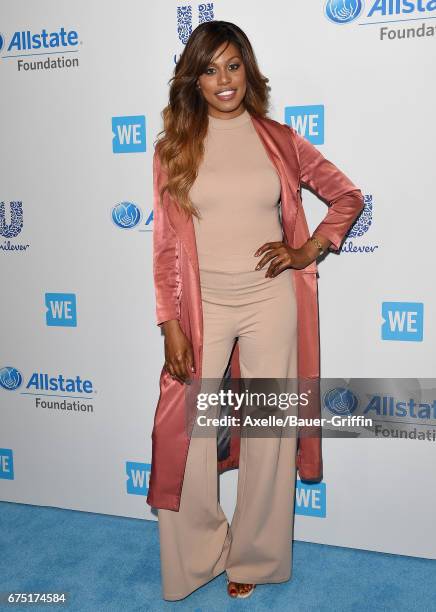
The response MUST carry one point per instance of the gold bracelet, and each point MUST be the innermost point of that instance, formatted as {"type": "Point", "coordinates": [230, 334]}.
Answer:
{"type": "Point", "coordinates": [317, 243]}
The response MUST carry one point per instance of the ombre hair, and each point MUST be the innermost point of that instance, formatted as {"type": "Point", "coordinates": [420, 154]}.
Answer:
{"type": "Point", "coordinates": [185, 118]}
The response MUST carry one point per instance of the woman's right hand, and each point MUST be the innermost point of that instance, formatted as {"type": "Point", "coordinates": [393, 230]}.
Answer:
{"type": "Point", "coordinates": [179, 356]}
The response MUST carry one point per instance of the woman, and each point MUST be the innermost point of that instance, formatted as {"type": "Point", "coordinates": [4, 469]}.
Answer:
{"type": "Point", "coordinates": [229, 264]}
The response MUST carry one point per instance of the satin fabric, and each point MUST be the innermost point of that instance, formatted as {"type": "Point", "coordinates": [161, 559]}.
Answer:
{"type": "Point", "coordinates": [178, 296]}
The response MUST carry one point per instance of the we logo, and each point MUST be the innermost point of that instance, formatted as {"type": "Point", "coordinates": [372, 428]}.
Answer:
{"type": "Point", "coordinates": [128, 134]}
{"type": "Point", "coordinates": [61, 309]}
{"type": "Point", "coordinates": [6, 464]}
{"type": "Point", "coordinates": [310, 499]}
{"type": "Point", "coordinates": [403, 321]}
{"type": "Point", "coordinates": [138, 477]}
{"type": "Point", "coordinates": [308, 121]}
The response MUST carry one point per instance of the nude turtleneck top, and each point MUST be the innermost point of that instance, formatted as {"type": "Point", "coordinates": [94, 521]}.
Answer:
{"type": "Point", "coordinates": [237, 193]}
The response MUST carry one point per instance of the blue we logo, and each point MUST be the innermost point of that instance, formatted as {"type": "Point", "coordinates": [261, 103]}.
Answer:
{"type": "Point", "coordinates": [6, 464]}
{"type": "Point", "coordinates": [128, 134]}
{"type": "Point", "coordinates": [403, 321]}
{"type": "Point", "coordinates": [138, 477]}
{"type": "Point", "coordinates": [308, 121]}
{"type": "Point", "coordinates": [61, 309]}
{"type": "Point", "coordinates": [310, 499]}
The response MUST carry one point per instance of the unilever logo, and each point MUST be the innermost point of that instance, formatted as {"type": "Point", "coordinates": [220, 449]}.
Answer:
{"type": "Point", "coordinates": [340, 401]}
{"type": "Point", "coordinates": [205, 12]}
{"type": "Point", "coordinates": [12, 229]}
{"type": "Point", "coordinates": [184, 19]}
{"type": "Point", "coordinates": [126, 215]}
{"type": "Point", "coordinates": [16, 225]}
{"type": "Point", "coordinates": [363, 221]}
{"type": "Point", "coordinates": [343, 11]}
{"type": "Point", "coordinates": [359, 228]}
{"type": "Point", "coordinates": [10, 378]}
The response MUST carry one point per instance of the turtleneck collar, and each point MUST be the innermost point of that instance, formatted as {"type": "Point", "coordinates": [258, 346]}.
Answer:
{"type": "Point", "coordinates": [228, 124]}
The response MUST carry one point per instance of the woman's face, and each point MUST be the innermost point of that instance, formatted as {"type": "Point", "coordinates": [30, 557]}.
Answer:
{"type": "Point", "coordinates": [225, 73]}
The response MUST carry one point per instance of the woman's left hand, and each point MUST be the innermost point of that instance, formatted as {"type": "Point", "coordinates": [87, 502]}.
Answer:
{"type": "Point", "coordinates": [284, 257]}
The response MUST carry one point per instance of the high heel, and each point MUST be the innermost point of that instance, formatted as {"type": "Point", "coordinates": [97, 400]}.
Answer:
{"type": "Point", "coordinates": [234, 589]}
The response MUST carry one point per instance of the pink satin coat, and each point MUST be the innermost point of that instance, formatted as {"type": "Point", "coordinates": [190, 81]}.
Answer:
{"type": "Point", "coordinates": [178, 296]}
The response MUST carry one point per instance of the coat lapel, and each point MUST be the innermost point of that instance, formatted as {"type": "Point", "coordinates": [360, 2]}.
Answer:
{"type": "Point", "coordinates": [184, 229]}
{"type": "Point", "coordinates": [278, 145]}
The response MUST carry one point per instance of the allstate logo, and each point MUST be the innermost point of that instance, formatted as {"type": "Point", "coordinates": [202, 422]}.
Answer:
{"type": "Point", "coordinates": [363, 221]}
{"type": "Point", "coordinates": [343, 11]}
{"type": "Point", "coordinates": [340, 401]}
{"type": "Point", "coordinates": [2, 41]}
{"type": "Point", "coordinates": [10, 378]}
{"type": "Point", "coordinates": [126, 215]}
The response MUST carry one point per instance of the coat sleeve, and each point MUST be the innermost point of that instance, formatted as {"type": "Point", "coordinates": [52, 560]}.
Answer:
{"type": "Point", "coordinates": [344, 198]}
{"type": "Point", "coordinates": [165, 260]}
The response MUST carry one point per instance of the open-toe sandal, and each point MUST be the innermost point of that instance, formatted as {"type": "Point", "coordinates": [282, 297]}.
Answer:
{"type": "Point", "coordinates": [234, 589]}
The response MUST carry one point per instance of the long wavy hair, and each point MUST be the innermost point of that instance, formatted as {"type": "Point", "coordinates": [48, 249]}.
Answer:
{"type": "Point", "coordinates": [185, 118]}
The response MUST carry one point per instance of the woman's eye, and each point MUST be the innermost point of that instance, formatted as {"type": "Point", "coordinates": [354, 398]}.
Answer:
{"type": "Point", "coordinates": [236, 66]}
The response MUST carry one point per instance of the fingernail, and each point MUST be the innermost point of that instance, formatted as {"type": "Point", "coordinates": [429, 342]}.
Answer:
{"type": "Point", "coordinates": [257, 267]}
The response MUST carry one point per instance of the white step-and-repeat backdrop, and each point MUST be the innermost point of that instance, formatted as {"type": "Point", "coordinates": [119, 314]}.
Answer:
{"type": "Point", "coordinates": [83, 85]}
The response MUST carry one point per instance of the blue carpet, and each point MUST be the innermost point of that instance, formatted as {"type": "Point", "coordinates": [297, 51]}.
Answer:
{"type": "Point", "coordinates": [112, 563]}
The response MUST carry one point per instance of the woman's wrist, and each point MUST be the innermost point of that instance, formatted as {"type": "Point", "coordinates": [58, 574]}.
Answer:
{"type": "Point", "coordinates": [170, 324]}
{"type": "Point", "coordinates": [316, 245]}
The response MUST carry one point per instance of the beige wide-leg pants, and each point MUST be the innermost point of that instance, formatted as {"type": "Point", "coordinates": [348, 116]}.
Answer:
{"type": "Point", "coordinates": [197, 543]}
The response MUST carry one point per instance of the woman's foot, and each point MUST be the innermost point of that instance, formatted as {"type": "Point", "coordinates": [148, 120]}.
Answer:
{"type": "Point", "coordinates": [239, 589]}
